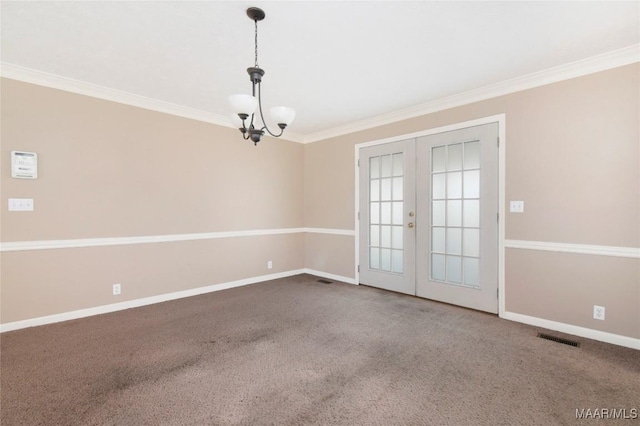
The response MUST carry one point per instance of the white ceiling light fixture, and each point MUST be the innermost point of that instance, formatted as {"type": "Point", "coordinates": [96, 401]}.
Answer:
{"type": "Point", "coordinates": [244, 106]}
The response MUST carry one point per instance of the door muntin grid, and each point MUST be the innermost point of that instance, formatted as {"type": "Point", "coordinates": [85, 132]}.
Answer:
{"type": "Point", "coordinates": [386, 213]}
{"type": "Point", "coordinates": [454, 256]}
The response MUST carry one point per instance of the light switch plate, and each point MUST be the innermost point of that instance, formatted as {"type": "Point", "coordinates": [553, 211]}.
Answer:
{"type": "Point", "coordinates": [516, 206]}
{"type": "Point", "coordinates": [20, 204]}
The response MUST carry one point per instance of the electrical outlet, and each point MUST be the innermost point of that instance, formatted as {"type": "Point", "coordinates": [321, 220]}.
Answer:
{"type": "Point", "coordinates": [269, 265]}
{"type": "Point", "coordinates": [598, 312]}
{"type": "Point", "coordinates": [117, 289]}
{"type": "Point", "coordinates": [516, 207]}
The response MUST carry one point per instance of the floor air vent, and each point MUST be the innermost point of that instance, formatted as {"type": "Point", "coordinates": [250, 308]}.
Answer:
{"type": "Point", "coordinates": [325, 281]}
{"type": "Point", "coordinates": [559, 340]}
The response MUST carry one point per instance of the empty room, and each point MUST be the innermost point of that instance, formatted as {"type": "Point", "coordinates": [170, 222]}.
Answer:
{"type": "Point", "coordinates": [429, 216]}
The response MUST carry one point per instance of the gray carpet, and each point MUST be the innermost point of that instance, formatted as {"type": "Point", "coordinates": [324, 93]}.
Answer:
{"type": "Point", "coordinates": [296, 351]}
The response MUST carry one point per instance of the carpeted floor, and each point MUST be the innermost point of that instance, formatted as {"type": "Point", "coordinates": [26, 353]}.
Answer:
{"type": "Point", "coordinates": [295, 351]}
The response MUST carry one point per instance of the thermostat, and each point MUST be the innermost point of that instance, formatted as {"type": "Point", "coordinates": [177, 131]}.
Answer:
{"type": "Point", "coordinates": [24, 165]}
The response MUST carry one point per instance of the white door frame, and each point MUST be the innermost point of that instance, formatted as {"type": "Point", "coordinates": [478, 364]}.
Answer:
{"type": "Point", "coordinates": [501, 120]}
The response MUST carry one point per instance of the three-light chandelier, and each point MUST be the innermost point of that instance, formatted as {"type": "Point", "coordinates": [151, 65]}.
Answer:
{"type": "Point", "coordinates": [244, 106]}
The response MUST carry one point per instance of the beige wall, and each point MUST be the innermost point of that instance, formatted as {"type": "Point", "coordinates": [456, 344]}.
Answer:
{"type": "Point", "coordinates": [112, 170]}
{"type": "Point", "coordinates": [330, 253]}
{"type": "Point", "coordinates": [573, 156]}
{"type": "Point", "coordinates": [45, 282]}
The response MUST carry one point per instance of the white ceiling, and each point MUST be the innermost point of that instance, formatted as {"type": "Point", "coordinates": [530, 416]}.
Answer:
{"type": "Point", "coordinates": [334, 62]}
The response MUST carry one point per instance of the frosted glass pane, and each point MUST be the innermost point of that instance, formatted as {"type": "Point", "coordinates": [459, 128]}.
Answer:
{"type": "Point", "coordinates": [374, 213]}
{"type": "Point", "coordinates": [374, 258]}
{"type": "Point", "coordinates": [438, 186]}
{"type": "Point", "coordinates": [385, 190]}
{"type": "Point", "coordinates": [454, 157]}
{"type": "Point", "coordinates": [386, 165]}
{"type": "Point", "coordinates": [397, 214]}
{"type": "Point", "coordinates": [397, 261]}
{"type": "Point", "coordinates": [397, 188]}
{"type": "Point", "coordinates": [472, 184]}
{"type": "Point", "coordinates": [385, 259]}
{"type": "Point", "coordinates": [438, 267]}
{"type": "Point", "coordinates": [472, 213]}
{"type": "Point", "coordinates": [437, 240]}
{"type": "Point", "coordinates": [385, 236]}
{"type": "Point", "coordinates": [454, 269]}
{"type": "Point", "coordinates": [396, 237]}
{"type": "Point", "coordinates": [374, 167]}
{"type": "Point", "coordinates": [454, 241]}
{"type": "Point", "coordinates": [397, 164]}
{"type": "Point", "coordinates": [471, 242]}
{"type": "Point", "coordinates": [385, 213]}
{"type": "Point", "coordinates": [454, 185]}
{"type": "Point", "coordinates": [454, 213]}
{"type": "Point", "coordinates": [471, 271]}
{"type": "Point", "coordinates": [438, 159]}
{"type": "Point", "coordinates": [374, 236]}
{"type": "Point", "coordinates": [438, 213]}
{"type": "Point", "coordinates": [472, 155]}
{"type": "Point", "coordinates": [374, 190]}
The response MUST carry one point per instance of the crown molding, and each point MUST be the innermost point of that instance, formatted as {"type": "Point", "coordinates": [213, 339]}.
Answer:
{"type": "Point", "coordinates": [616, 58]}
{"type": "Point", "coordinates": [609, 60]}
{"type": "Point", "coordinates": [54, 81]}
{"type": "Point", "coordinates": [40, 78]}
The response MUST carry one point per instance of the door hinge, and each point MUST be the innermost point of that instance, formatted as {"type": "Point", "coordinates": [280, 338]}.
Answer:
{"type": "Point", "coordinates": [358, 268]}
{"type": "Point", "coordinates": [498, 217]}
{"type": "Point", "coordinates": [358, 162]}
{"type": "Point", "coordinates": [358, 215]}
{"type": "Point", "coordinates": [498, 293]}
{"type": "Point", "coordinates": [498, 138]}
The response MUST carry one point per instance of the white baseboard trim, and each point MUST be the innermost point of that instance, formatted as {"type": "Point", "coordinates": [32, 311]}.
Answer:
{"type": "Point", "coordinates": [330, 276]}
{"type": "Point", "coordinates": [602, 336]}
{"type": "Point", "coordinates": [82, 313]}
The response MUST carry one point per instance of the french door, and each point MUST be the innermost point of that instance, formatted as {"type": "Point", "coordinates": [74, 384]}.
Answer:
{"type": "Point", "coordinates": [429, 217]}
{"type": "Point", "coordinates": [387, 216]}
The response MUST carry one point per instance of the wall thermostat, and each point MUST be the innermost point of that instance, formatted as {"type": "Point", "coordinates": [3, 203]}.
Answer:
{"type": "Point", "coordinates": [24, 165]}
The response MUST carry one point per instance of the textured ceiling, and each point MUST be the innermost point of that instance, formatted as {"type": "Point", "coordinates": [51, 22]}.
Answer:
{"type": "Point", "coordinates": [334, 62]}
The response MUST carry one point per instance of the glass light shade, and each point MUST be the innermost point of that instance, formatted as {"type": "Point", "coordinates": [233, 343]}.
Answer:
{"type": "Point", "coordinates": [237, 121]}
{"type": "Point", "coordinates": [243, 104]}
{"type": "Point", "coordinates": [282, 115]}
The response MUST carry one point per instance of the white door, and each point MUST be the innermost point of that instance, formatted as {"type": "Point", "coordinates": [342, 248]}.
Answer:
{"type": "Point", "coordinates": [457, 241]}
{"type": "Point", "coordinates": [387, 213]}
{"type": "Point", "coordinates": [440, 240]}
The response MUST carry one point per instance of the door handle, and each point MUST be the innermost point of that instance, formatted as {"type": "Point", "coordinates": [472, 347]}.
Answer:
{"type": "Point", "coordinates": [410, 225]}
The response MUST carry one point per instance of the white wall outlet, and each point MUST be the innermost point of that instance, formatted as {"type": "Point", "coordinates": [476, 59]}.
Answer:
{"type": "Point", "coordinates": [598, 312]}
{"type": "Point", "coordinates": [20, 204]}
{"type": "Point", "coordinates": [269, 265]}
{"type": "Point", "coordinates": [516, 206]}
{"type": "Point", "coordinates": [117, 289]}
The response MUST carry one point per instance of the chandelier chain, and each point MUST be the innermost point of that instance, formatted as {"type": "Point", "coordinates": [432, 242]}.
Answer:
{"type": "Point", "coordinates": [256, 43]}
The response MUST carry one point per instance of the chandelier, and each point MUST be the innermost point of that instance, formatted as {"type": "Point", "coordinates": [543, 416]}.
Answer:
{"type": "Point", "coordinates": [244, 106]}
